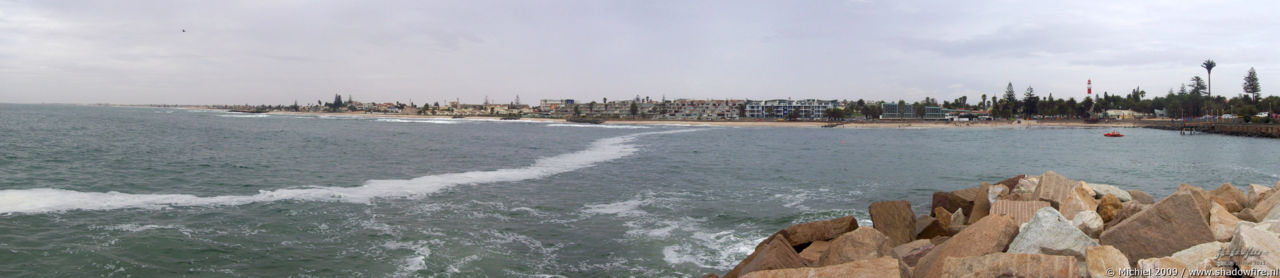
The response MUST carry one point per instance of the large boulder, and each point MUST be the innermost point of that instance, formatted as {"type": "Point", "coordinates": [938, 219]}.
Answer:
{"type": "Point", "coordinates": [1103, 189]}
{"type": "Point", "coordinates": [774, 252]}
{"type": "Point", "coordinates": [990, 235]}
{"type": "Point", "coordinates": [1222, 223]}
{"type": "Point", "coordinates": [1202, 256]}
{"type": "Point", "coordinates": [982, 206]}
{"type": "Point", "coordinates": [1050, 233]}
{"type": "Point", "coordinates": [1012, 183]}
{"type": "Point", "coordinates": [1127, 209]}
{"type": "Point", "coordinates": [1079, 200]}
{"type": "Point", "coordinates": [1020, 211]}
{"type": "Point", "coordinates": [967, 197]}
{"type": "Point", "coordinates": [1104, 261]}
{"type": "Point", "coordinates": [1252, 248]}
{"type": "Point", "coordinates": [814, 251]}
{"type": "Point", "coordinates": [861, 244]}
{"type": "Point", "coordinates": [894, 219]}
{"type": "Point", "coordinates": [1142, 197]}
{"type": "Point", "coordinates": [1201, 197]}
{"type": "Point", "coordinates": [1228, 193]}
{"type": "Point", "coordinates": [954, 200]}
{"type": "Point", "coordinates": [805, 233]}
{"type": "Point", "coordinates": [1011, 265]}
{"type": "Point", "coordinates": [937, 227]}
{"type": "Point", "coordinates": [1170, 225]}
{"type": "Point", "coordinates": [1109, 207]}
{"type": "Point", "coordinates": [871, 268]}
{"type": "Point", "coordinates": [1055, 188]}
{"type": "Point", "coordinates": [1262, 211]}
{"type": "Point", "coordinates": [943, 216]}
{"type": "Point", "coordinates": [911, 252]}
{"type": "Point", "coordinates": [1255, 194]}
{"type": "Point", "coordinates": [1088, 222]}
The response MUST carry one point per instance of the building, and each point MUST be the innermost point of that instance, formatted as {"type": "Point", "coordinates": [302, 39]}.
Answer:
{"type": "Point", "coordinates": [549, 105]}
{"type": "Point", "coordinates": [702, 110]}
{"type": "Point", "coordinates": [893, 111]}
{"type": "Point", "coordinates": [808, 109]}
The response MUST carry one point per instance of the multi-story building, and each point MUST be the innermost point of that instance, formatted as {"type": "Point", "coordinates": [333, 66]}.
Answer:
{"type": "Point", "coordinates": [807, 109]}
{"type": "Point", "coordinates": [690, 109]}
{"type": "Point", "coordinates": [550, 105]}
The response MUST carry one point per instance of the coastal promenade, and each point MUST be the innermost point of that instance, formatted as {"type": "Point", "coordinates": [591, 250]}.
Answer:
{"type": "Point", "coordinates": [1228, 127]}
{"type": "Point", "coordinates": [1038, 226]}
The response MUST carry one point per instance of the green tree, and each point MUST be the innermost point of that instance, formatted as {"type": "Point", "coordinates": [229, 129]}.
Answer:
{"type": "Point", "coordinates": [1029, 101]}
{"type": "Point", "coordinates": [1011, 100]}
{"type": "Point", "coordinates": [793, 115]}
{"type": "Point", "coordinates": [1208, 66]}
{"type": "Point", "coordinates": [635, 108]}
{"type": "Point", "coordinates": [576, 112]}
{"type": "Point", "coordinates": [1251, 86]}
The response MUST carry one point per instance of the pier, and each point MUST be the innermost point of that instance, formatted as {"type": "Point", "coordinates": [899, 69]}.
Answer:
{"type": "Point", "coordinates": [1221, 126]}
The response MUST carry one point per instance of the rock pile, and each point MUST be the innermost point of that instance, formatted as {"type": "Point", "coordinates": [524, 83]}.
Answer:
{"type": "Point", "coordinates": [1036, 226]}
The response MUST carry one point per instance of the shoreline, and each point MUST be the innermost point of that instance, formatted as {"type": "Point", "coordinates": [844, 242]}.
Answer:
{"type": "Point", "coordinates": [762, 123]}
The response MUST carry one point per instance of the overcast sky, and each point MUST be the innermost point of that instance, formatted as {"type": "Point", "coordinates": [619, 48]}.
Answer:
{"type": "Point", "coordinates": [276, 52]}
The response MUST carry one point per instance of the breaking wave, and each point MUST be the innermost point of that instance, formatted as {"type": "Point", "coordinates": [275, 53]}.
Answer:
{"type": "Point", "coordinates": [40, 200]}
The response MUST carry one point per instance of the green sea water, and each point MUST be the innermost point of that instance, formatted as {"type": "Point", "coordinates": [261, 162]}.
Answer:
{"type": "Point", "coordinates": [90, 191]}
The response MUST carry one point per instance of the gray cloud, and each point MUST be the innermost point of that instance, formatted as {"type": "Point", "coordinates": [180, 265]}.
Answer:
{"type": "Point", "coordinates": [278, 52]}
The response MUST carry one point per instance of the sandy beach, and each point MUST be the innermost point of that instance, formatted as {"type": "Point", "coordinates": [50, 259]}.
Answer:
{"type": "Point", "coordinates": [767, 123]}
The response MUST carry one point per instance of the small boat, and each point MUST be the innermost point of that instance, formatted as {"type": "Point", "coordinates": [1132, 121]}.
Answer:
{"type": "Point", "coordinates": [1113, 134]}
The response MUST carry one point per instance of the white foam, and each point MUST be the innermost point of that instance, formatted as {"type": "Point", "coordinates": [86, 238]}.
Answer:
{"type": "Point", "coordinates": [623, 208]}
{"type": "Point", "coordinates": [600, 126]}
{"type": "Point", "coordinates": [39, 200]}
{"type": "Point", "coordinates": [244, 115]}
{"type": "Point", "coordinates": [447, 122]}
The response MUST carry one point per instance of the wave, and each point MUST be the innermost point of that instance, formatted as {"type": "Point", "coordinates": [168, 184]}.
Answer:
{"type": "Point", "coordinates": [600, 126]}
{"type": "Point", "coordinates": [40, 200]}
{"type": "Point", "coordinates": [447, 122]}
{"type": "Point", "coordinates": [244, 115]}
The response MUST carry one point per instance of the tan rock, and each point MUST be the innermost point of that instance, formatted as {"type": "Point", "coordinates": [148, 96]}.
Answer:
{"type": "Point", "coordinates": [1104, 260]}
{"type": "Point", "coordinates": [982, 206]}
{"type": "Point", "coordinates": [1229, 204]}
{"type": "Point", "coordinates": [933, 229]}
{"type": "Point", "coordinates": [1011, 183]}
{"type": "Point", "coordinates": [1011, 265]}
{"type": "Point", "coordinates": [1201, 198]}
{"type": "Point", "coordinates": [1052, 234]}
{"type": "Point", "coordinates": [1169, 226]}
{"type": "Point", "coordinates": [814, 251]}
{"type": "Point", "coordinates": [1257, 249]}
{"type": "Point", "coordinates": [1255, 194]}
{"type": "Point", "coordinates": [1055, 188]}
{"type": "Point", "coordinates": [1264, 206]}
{"type": "Point", "coordinates": [1227, 192]}
{"type": "Point", "coordinates": [1087, 189]}
{"type": "Point", "coordinates": [1203, 256]}
{"type": "Point", "coordinates": [990, 235]}
{"type": "Point", "coordinates": [774, 252]}
{"type": "Point", "coordinates": [1088, 222]}
{"type": "Point", "coordinates": [911, 252]}
{"type": "Point", "coordinates": [1020, 211]}
{"type": "Point", "coordinates": [861, 244]}
{"type": "Point", "coordinates": [967, 197]}
{"type": "Point", "coordinates": [894, 219]}
{"type": "Point", "coordinates": [957, 220]}
{"type": "Point", "coordinates": [872, 268]}
{"type": "Point", "coordinates": [710, 275]}
{"type": "Point", "coordinates": [922, 222]}
{"type": "Point", "coordinates": [943, 216]}
{"type": "Point", "coordinates": [1141, 197]}
{"type": "Point", "coordinates": [1222, 223]}
{"type": "Point", "coordinates": [1079, 200]}
{"type": "Point", "coordinates": [1245, 215]}
{"type": "Point", "coordinates": [1109, 207]}
{"type": "Point", "coordinates": [804, 233]}
{"type": "Point", "coordinates": [1127, 209]}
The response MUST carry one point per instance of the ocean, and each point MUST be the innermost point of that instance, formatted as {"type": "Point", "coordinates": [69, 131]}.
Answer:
{"type": "Point", "coordinates": [90, 191]}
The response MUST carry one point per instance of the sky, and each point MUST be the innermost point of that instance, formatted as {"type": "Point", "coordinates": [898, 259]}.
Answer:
{"type": "Point", "coordinates": [279, 52]}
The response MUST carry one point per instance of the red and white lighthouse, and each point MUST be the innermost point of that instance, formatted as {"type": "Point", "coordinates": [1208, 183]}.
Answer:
{"type": "Point", "coordinates": [1090, 90]}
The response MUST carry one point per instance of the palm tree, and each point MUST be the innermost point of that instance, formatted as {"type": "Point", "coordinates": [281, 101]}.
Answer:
{"type": "Point", "coordinates": [1208, 66]}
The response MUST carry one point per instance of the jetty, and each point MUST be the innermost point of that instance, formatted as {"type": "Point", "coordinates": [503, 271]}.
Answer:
{"type": "Point", "coordinates": [1220, 126]}
{"type": "Point", "coordinates": [1036, 226]}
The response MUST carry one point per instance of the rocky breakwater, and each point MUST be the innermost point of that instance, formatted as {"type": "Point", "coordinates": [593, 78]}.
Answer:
{"type": "Point", "coordinates": [1038, 226]}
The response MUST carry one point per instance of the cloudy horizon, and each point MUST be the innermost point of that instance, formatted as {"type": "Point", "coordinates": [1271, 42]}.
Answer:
{"type": "Point", "coordinates": [278, 52]}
